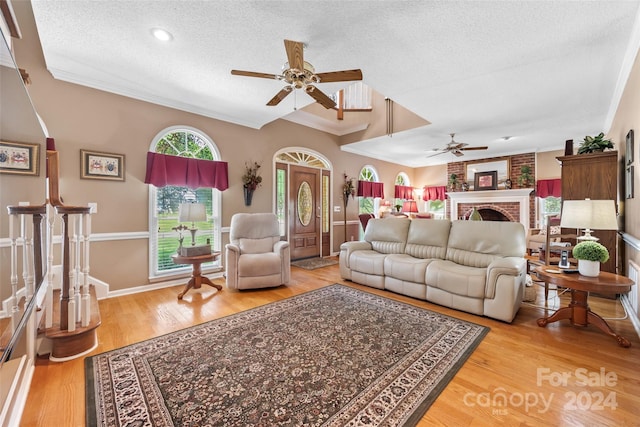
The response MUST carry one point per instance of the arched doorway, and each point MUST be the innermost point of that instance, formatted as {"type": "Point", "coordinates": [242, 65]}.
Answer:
{"type": "Point", "coordinates": [302, 201]}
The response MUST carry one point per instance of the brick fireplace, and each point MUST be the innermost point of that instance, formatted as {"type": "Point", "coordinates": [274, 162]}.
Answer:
{"type": "Point", "coordinates": [494, 205]}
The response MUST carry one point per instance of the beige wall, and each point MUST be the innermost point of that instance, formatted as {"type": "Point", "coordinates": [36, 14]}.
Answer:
{"type": "Point", "coordinates": [83, 118]}
{"type": "Point", "coordinates": [79, 117]}
{"type": "Point", "coordinates": [628, 117]}
{"type": "Point", "coordinates": [547, 167]}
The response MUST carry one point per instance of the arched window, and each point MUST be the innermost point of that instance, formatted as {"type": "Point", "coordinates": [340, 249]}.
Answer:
{"type": "Point", "coordinates": [164, 203]}
{"type": "Point", "coordinates": [401, 179]}
{"type": "Point", "coordinates": [368, 204]}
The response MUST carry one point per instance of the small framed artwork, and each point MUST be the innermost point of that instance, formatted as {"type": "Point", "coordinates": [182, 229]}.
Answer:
{"type": "Point", "coordinates": [19, 158]}
{"type": "Point", "coordinates": [97, 165]}
{"type": "Point", "coordinates": [628, 154]}
{"type": "Point", "coordinates": [629, 182]}
{"type": "Point", "coordinates": [486, 181]}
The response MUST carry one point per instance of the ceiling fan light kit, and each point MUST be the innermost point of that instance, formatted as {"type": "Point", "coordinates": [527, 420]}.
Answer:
{"type": "Point", "coordinates": [300, 74]}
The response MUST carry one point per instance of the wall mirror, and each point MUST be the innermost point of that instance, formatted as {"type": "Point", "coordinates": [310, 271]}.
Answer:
{"type": "Point", "coordinates": [19, 123]}
{"type": "Point", "coordinates": [500, 165]}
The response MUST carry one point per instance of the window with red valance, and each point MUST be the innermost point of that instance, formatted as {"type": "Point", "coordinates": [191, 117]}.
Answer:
{"type": "Point", "coordinates": [370, 189]}
{"type": "Point", "coordinates": [549, 188]}
{"type": "Point", "coordinates": [434, 193]}
{"type": "Point", "coordinates": [163, 170]}
{"type": "Point", "coordinates": [403, 192]}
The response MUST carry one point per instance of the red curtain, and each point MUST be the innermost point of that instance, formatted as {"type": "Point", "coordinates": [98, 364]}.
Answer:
{"type": "Point", "coordinates": [434, 193]}
{"type": "Point", "coordinates": [370, 189]}
{"type": "Point", "coordinates": [165, 170]}
{"type": "Point", "coordinates": [403, 192]}
{"type": "Point", "coordinates": [549, 187]}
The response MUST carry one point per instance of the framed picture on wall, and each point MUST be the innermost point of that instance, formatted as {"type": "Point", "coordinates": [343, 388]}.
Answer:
{"type": "Point", "coordinates": [97, 165]}
{"type": "Point", "coordinates": [19, 158]}
{"type": "Point", "coordinates": [486, 180]}
{"type": "Point", "coordinates": [628, 154]}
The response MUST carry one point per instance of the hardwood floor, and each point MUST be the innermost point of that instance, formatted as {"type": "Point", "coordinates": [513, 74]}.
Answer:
{"type": "Point", "coordinates": [521, 374]}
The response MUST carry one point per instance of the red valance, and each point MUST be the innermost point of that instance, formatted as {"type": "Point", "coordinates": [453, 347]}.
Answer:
{"type": "Point", "coordinates": [403, 192]}
{"type": "Point", "coordinates": [549, 187]}
{"type": "Point", "coordinates": [370, 189]}
{"type": "Point", "coordinates": [165, 170]}
{"type": "Point", "coordinates": [434, 193]}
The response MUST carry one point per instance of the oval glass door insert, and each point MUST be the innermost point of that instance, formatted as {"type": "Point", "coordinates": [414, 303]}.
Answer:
{"type": "Point", "coordinates": [305, 203]}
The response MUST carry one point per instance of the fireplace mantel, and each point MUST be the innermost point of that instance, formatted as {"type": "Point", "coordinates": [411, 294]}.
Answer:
{"type": "Point", "coordinates": [520, 195]}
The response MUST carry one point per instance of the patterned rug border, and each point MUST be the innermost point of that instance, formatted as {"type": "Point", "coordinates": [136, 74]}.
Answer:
{"type": "Point", "coordinates": [412, 418]}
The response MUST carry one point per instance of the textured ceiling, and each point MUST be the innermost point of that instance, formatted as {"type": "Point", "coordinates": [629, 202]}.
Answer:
{"type": "Point", "coordinates": [541, 72]}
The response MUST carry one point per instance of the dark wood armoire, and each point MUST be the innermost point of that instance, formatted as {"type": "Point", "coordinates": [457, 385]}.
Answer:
{"type": "Point", "coordinates": [594, 176]}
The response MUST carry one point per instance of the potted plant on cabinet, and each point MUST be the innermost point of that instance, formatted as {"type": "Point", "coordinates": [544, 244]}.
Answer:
{"type": "Point", "coordinates": [589, 255]}
{"type": "Point", "coordinates": [594, 144]}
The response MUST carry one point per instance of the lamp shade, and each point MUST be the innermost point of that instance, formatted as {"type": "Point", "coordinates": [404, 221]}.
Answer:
{"type": "Point", "coordinates": [589, 214]}
{"type": "Point", "coordinates": [410, 206]}
{"type": "Point", "coordinates": [192, 212]}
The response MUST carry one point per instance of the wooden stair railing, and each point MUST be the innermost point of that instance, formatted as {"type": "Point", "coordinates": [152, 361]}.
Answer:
{"type": "Point", "coordinates": [30, 236]}
{"type": "Point", "coordinates": [74, 332]}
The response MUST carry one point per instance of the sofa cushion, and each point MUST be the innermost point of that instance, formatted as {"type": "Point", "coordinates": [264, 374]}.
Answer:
{"type": "Point", "coordinates": [428, 238]}
{"type": "Point", "coordinates": [478, 243]}
{"type": "Point", "coordinates": [457, 279]}
{"type": "Point", "coordinates": [369, 262]}
{"type": "Point", "coordinates": [405, 267]}
{"type": "Point", "coordinates": [259, 264]}
{"type": "Point", "coordinates": [387, 236]}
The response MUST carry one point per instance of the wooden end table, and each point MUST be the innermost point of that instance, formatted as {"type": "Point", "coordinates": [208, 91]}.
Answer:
{"type": "Point", "coordinates": [578, 311]}
{"type": "Point", "coordinates": [197, 279]}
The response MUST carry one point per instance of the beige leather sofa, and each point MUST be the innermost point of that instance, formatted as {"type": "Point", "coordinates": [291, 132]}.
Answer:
{"type": "Point", "coordinates": [255, 255]}
{"type": "Point", "coordinates": [473, 266]}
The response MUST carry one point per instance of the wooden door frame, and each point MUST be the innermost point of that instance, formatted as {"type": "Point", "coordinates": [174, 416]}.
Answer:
{"type": "Point", "coordinates": [325, 170]}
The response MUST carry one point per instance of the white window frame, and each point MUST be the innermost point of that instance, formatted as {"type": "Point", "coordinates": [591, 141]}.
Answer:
{"type": "Point", "coordinates": [216, 217]}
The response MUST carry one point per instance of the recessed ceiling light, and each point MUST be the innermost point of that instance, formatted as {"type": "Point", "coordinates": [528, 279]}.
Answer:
{"type": "Point", "coordinates": [162, 35]}
{"type": "Point", "coordinates": [506, 138]}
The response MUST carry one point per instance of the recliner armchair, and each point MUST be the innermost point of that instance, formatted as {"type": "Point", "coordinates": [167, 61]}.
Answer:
{"type": "Point", "coordinates": [255, 255]}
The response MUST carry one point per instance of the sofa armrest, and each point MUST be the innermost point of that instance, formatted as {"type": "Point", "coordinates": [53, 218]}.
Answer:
{"type": "Point", "coordinates": [347, 248]}
{"type": "Point", "coordinates": [231, 268]}
{"type": "Point", "coordinates": [280, 246]}
{"type": "Point", "coordinates": [510, 266]}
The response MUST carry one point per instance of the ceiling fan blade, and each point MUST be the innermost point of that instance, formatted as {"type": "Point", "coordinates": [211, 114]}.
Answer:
{"type": "Point", "coordinates": [254, 74]}
{"type": "Point", "coordinates": [473, 148]}
{"type": "Point", "coordinates": [437, 154]}
{"type": "Point", "coordinates": [319, 96]}
{"type": "Point", "coordinates": [279, 96]}
{"type": "Point", "coordinates": [295, 54]}
{"type": "Point", "coordinates": [340, 76]}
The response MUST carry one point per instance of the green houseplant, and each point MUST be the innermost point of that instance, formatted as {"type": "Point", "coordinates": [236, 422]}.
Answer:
{"type": "Point", "coordinates": [593, 144]}
{"type": "Point", "coordinates": [453, 182]}
{"type": "Point", "coordinates": [525, 176]}
{"type": "Point", "coordinates": [590, 254]}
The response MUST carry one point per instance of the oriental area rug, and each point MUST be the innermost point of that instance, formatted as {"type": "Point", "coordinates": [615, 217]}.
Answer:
{"type": "Point", "coordinates": [335, 356]}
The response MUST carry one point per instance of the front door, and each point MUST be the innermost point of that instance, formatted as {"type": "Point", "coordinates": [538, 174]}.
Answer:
{"type": "Point", "coordinates": [304, 212]}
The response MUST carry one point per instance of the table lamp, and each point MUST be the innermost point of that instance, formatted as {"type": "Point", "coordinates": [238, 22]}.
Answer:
{"type": "Point", "coordinates": [589, 215]}
{"type": "Point", "coordinates": [192, 212]}
{"type": "Point", "coordinates": [410, 206]}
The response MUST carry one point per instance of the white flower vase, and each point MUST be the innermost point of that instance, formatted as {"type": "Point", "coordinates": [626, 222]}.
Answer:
{"type": "Point", "coordinates": [588, 268]}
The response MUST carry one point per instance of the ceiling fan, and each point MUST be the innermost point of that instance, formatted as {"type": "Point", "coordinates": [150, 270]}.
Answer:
{"type": "Point", "coordinates": [299, 74]}
{"type": "Point", "coordinates": [456, 148]}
